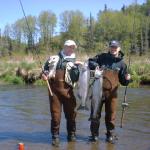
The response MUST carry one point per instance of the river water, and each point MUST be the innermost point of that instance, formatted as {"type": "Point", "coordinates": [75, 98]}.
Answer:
{"type": "Point", "coordinates": [25, 117]}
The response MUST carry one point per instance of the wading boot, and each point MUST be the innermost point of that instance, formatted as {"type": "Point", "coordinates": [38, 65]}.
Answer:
{"type": "Point", "coordinates": [93, 138]}
{"type": "Point", "coordinates": [55, 140]}
{"type": "Point", "coordinates": [111, 137]}
{"type": "Point", "coordinates": [71, 137]}
{"type": "Point", "coordinates": [94, 127]}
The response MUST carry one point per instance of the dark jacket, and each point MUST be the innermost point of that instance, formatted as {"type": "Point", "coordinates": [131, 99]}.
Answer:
{"type": "Point", "coordinates": [108, 61]}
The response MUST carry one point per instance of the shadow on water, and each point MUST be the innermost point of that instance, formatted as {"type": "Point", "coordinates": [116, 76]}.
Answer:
{"type": "Point", "coordinates": [25, 117]}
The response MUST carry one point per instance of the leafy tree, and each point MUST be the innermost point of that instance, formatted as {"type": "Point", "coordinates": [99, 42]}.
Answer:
{"type": "Point", "coordinates": [29, 32]}
{"type": "Point", "coordinates": [89, 35]}
{"type": "Point", "coordinates": [47, 22]}
{"type": "Point", "coordinates": [130, 25]}
{"type": "Point", "coordinates": [72, 26]}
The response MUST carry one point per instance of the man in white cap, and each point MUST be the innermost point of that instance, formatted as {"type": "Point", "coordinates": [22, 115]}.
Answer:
{"type": "Point", "coordinates": [61, 81]}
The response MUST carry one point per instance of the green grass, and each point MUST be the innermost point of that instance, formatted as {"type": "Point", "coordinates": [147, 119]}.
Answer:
{"type": "Point", "coordinates": [140, 74]}
{"type": "Point", "coordinates": [11, 79]}
{"type": "Point", "coordinates": [40, 82]}
{"type": "Point", "coordinates": [27, 66]}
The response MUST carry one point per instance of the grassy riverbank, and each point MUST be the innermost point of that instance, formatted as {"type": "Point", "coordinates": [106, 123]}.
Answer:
{"type": "Point", "coordinates": [139, 68]}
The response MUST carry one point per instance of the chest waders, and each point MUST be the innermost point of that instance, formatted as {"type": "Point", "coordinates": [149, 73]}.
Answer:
{"type": "Point", "coordinates": [108, 96]}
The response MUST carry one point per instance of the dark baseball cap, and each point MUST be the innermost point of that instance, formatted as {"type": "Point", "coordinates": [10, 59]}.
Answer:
{"type": "Point", "coordinates": [114, 44]}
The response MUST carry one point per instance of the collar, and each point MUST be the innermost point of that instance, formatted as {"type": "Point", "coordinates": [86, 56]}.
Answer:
{"type": "Point", "coordinates": [72, 56]}
{"type": "Point", "coordinates": [120, 56]}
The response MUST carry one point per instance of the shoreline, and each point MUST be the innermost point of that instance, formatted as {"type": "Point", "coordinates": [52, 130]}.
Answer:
{"type": "Point", "coordinates": [139, 70]}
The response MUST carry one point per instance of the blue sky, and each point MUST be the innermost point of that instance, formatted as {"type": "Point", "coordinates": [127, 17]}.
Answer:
{"type": "Point", "coordinates": [10, 10]}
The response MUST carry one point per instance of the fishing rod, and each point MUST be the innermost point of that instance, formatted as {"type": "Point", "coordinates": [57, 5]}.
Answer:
{"type": "Point", "coordinates": [30, 33]}
{"type": "Point", "coordinates": [124, 103]}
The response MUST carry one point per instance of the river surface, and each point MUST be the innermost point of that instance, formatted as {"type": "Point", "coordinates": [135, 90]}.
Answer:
{"type": "Point", "coordinates": [25, 117]}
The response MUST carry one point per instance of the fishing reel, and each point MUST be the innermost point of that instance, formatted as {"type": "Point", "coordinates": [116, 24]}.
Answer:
{"type": "Point", "coordinates": [124, 105]}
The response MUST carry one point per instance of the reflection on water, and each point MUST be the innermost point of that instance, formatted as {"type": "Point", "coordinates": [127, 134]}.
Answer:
{"type": "Point", "coordinates": [25, 117]}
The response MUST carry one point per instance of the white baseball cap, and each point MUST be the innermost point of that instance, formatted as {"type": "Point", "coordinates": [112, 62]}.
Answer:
{"type": "Point", "coordinates": [70, 43]}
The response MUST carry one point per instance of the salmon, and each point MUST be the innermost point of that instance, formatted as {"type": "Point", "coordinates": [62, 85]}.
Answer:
{"type": "Point", "coordinates": [83, 86]}
{"type": "Point", "coordinates": [97, 92]}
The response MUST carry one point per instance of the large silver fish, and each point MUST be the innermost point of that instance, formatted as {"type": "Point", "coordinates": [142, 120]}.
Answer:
{"type": "Point", "coordinates": [97, 92]}
{"type": "Point", "coordinates": [83, 86]}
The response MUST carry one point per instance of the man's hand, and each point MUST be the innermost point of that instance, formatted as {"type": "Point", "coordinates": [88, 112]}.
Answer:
{"type": "Point", "coordinates": [79, 62]}
{"type": "Point", "coordinates": [128, 77]}
{"type": "Point", "coordinates": [44, 77]}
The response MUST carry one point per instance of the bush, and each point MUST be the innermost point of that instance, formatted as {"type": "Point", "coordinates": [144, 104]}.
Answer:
{"type": "Point", "coordinates": [40, 82]}
{"type": "Point", "coordinates": [140, 74]}
{"type": "Point", "coordinates": [12, 79]}
{"type": "Point", "coordinates": [136, 79]}
{"type": "Point", "coordinates": [27, 66]}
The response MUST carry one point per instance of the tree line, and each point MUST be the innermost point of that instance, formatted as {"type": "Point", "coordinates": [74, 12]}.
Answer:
{"type": "Point", "coordinates": [130, 25]}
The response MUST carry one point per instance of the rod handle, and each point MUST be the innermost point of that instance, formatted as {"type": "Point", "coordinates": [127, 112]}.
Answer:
{"type": "Point", "coordinates": [49, 88]}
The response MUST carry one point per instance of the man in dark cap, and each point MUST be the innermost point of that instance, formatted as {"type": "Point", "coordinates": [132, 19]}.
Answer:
{"type": "Point", "coordinates": [111, 62]}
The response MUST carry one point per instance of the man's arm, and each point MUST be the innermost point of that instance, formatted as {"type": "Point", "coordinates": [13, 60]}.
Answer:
{"type": "Point", "coordinates": [93, 62]}
{"type": "Point", "coordinates": [124, 76]}
{"type": "Point", "coordinates": [45, 71]}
